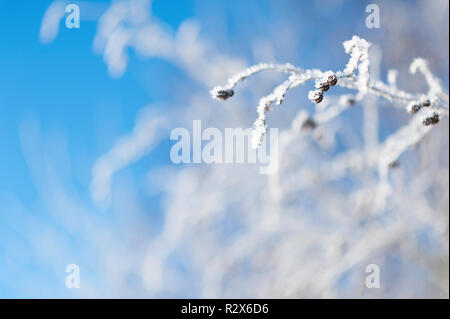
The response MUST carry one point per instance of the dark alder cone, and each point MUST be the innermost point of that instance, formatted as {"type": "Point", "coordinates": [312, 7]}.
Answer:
{"type": "Point", "coordinates": [224, 94]}
{"type": "Point", "coordinates": [351, 101]}
{"type": "Point", "coordinates": [308, 124]}
{"type": "Point", "coordinates": [394, 164]}
{"type": "Point", "coordinates": [315, 96]}
{"type": "Point", "coordinates": [332, 80]}
{"type": "Point", "coordinates": [426, 102]}
{"type": "Point", "coordinates": [322, 86]}
{"type": "Point", "coordinates": [434, 119]}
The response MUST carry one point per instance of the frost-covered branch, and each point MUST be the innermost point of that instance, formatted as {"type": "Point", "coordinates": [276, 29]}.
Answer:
{"type": "Point", "coordinates": [422, 65]}
{"type": "Point", "coordinates": [359, 58]}
{"type": "Point", "coordinates": [359, 61]}
{"type": "Point", "coordinates": [397, 143]}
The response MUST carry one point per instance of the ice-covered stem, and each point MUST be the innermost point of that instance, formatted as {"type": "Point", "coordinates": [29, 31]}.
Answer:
{"type": "Point", "coordinates": [226, 91]}
{"type": "Point", "coordinates": [277, 96]}
{"type": "Point", "coordinates": [359, 58]}
{"type": "Point", "coordinates": [396, 144]}
{"type": "Point", "coordinates": [359, 61]}
{"type": "Point", "coordinates": [422, 65]}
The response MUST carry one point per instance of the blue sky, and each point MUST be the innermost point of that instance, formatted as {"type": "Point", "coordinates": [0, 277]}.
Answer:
{"type": "Point", "coordinates": [66, 87]}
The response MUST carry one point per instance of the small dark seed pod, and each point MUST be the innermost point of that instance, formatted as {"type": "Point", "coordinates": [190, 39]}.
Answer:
{"type": "Point", "coordinates": [351, 101]}
{"type": "Point", "coordinates": [322, 86]}
{"type": "Point", "coordinates": [426, 102]}
{"type": "Point", "coordinates": [309, 124]}
{"type": "Point", "coordinates": [224, 94]}
{"type": "Point", "coordinates": [434, 119]}
{"type": "Point", "coordinates": [315, 96]}
{"type": "Point", "coordinates": [394, 164]}
{"type": "Point", "coordinates": [413, 107]}
{"type": "Point", "coordinates": [332, 80]}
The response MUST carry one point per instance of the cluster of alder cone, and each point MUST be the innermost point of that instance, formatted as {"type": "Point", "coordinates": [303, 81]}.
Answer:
{"type": "Point", "coordinates": [322, 85]}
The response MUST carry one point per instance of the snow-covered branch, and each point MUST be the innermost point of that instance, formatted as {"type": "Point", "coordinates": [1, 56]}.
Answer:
{"type": "Point", "coordinates": [435, 99]}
